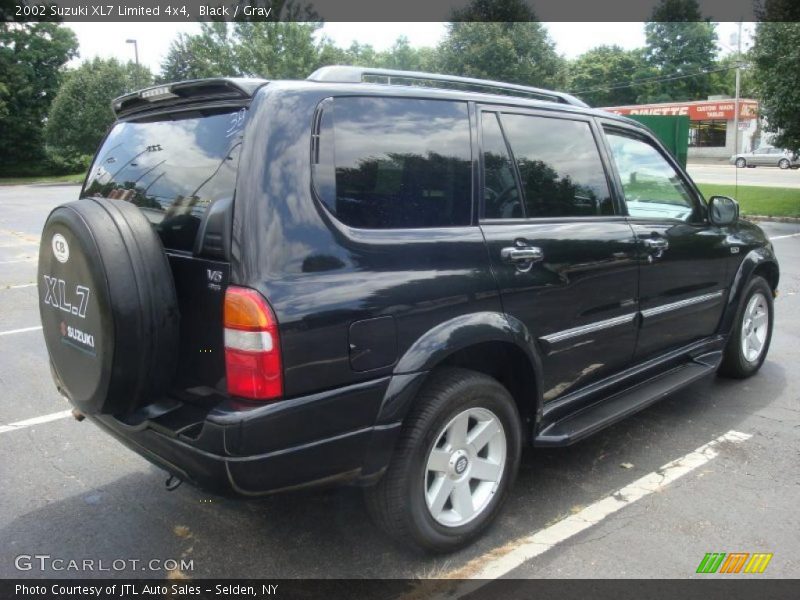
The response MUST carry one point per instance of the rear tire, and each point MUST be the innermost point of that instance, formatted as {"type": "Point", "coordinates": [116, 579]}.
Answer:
{"type": "Point", "coordinates": [436, 496]}
{"type": "Point", "coordinates": [741, 163]}
{"type": "Point", "coordinates": [749, 340]}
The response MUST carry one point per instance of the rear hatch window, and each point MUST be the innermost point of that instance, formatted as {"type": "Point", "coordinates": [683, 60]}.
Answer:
{"type": "Point", "coordinates": [171, 166]}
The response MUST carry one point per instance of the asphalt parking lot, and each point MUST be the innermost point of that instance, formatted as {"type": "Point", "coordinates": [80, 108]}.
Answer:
{"type": "Point", "coordinates": [73, 493]}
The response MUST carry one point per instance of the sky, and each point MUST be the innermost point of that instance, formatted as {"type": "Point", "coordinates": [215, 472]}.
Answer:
{"type": "Point", "coordinates": [153, 39]}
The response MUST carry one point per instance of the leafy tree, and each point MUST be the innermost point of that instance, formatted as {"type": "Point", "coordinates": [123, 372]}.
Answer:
{"type": "Point", "coordinates": [207, 54]}
{"type": "Point", "coordinates": [724, 82]}
{"type": "Point", "coordinates": [81, 112]}
{"type": "Point", "coordinates": [403, 56]}
{"type": "Point", "coordinates": [495, 11]}
{"type": "Point", "coordinates": [776, 56]}
{"type": "Point", "coordinates": [275, 50]}
{"type": "Point", "coordinates": [31, 58]}
{"type": "Point", "coordinates": [778, 10]}
{"type": "Point", "coordinates": [514, 52]}
{"type": "Point", "coordinates": [501, 40]}
{"type": "Point", "coordinates": [400, 56]}
{"type": "Point", "coordinates": [602, 76]}
{"type": "Point", "coordinates": [679, 42]}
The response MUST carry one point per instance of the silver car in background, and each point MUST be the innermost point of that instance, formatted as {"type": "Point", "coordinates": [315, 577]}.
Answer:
{"type": "Point", "coordinates": [767, 156]}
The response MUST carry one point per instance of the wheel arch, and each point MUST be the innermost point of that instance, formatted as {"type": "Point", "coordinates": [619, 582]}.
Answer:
{"type": "Point", "coordinates": [487, 342]}
{"type": "Point", "coordinates": [761, 262]}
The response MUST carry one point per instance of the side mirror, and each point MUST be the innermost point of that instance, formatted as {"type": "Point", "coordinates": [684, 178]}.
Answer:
{"type": "Point", "coordinates": [723, 210]}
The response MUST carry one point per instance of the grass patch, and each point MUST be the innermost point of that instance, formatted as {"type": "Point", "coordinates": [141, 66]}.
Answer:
{"type": "Point", "coordinates": [758, 200]}
{"type": "Point", "coordinates": [77, 178]}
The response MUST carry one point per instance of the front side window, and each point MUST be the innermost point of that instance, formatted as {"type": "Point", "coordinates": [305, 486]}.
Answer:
{"type": "Point", "coordinates": [559, 167]}
{"type": "Point", "coordinates": [383, 163]}
{"type": "Point", "coordinates": [652, 187]}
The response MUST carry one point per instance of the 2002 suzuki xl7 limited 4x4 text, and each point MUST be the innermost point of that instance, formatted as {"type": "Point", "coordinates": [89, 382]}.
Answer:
{"type": "Point", "coordinates": [386, 278]}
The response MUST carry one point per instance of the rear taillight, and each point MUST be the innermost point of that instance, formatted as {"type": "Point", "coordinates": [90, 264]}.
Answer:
{"type": "Point", "coordinates": [252, 351]}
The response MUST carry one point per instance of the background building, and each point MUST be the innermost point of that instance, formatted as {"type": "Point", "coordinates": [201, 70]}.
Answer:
{"type": "Point", "coordinates": [712, 133]}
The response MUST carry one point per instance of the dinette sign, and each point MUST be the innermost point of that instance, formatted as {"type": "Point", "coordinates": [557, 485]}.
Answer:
{"type": "Point", "coordinates": [696, 111]}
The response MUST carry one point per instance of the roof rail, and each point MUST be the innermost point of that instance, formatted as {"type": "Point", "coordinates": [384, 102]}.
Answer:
{"type": "Point", "coordinates": [345, 74]}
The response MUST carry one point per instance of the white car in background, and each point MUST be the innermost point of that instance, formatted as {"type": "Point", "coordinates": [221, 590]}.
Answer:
{"type": "Point", "coordinates": [767, 156]}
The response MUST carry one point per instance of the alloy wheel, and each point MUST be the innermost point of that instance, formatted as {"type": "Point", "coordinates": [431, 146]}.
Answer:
{"type": "Point", "coordinates": [755, 326]}
{"type": "Point", "coordinates": [464, 467]}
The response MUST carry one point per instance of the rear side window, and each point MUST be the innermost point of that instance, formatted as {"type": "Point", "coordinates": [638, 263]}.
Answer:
{"type": "Point", "coordinates": [500, 195]}
{"type": "Point", "coordinates": [559, 167]}
{"type": "Point", "coordinates": [382, 163]}
{"type": "Point", "coordinates": [173, 168]}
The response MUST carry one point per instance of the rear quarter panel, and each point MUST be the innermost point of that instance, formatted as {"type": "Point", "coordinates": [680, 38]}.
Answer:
{"type": "Point", "coordinates": [321, 276]}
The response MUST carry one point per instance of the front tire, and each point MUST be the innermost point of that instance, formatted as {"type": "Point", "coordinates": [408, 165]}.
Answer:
{"type": "Point", "coordinates": [454, 463]}
{"type": "Point", "coordinates": [783, 164]}
{"type": "Point", "coordinates": [741, 163]}
{"type": "Point", "coordinates": [749, 341]}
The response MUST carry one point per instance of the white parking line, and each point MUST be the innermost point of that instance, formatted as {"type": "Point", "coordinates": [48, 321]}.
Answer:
{"type": "Point", "coordinates": [23, 330]}
{"type": "Point", "coordinates": [17, 260]}
{"type": "Point", "coordinates": [20, 286]}
{"type": "Point", "coordinates": [35, 421]}
{"type": "Point", "coordinates": [780, 237]}
{"type": "Point", "coordinates": [522, 550]}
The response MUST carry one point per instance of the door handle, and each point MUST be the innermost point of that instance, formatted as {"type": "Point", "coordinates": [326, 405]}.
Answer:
{"type": "Point", "coordinates": [521, 254]}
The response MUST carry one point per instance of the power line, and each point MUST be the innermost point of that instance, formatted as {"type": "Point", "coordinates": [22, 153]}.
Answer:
{"type": "Point", "coordinates": [656, 79]}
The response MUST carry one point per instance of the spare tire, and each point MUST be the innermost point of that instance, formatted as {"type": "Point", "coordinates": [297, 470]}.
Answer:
{"type": "Point", "coordinates": [108, 306]}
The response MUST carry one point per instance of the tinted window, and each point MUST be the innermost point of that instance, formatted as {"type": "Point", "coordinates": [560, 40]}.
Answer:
{"type": "Point", "coordinates": [394, 163]}
{"type": "Point", "coordinates": [651, 185]}
{"type": "Point", "coordinates": [500, 194]}
{"type": "Point", "coordinates": [173, 169]}
{"type": "Point", "coordinates": [559, 166]}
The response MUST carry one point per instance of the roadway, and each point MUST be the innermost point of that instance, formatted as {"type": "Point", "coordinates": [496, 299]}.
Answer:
{"type": "Point", "coordinates": [72, 492]}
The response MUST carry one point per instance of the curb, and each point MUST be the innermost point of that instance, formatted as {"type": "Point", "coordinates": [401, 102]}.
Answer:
{"type": "Point", "coordinates": [757, 218]}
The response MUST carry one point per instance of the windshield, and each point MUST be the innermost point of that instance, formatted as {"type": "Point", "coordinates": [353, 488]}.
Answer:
{"type": "Point", "coordinates": [172, 168]}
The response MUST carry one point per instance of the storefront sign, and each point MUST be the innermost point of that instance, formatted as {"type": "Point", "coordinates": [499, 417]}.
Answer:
{"type": "Point", "coordinates": [696, 111]}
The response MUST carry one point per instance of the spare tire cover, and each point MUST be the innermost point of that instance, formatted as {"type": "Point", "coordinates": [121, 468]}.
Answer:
{"type": "Point", "coordinates": [108, 306]}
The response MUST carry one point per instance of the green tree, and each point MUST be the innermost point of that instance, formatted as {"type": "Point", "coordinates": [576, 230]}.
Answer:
{"type": "Point", "coordinates": [501, 40]}
{"type": "Point", "coordinates": [31, 58]}
{"type": "Point", "coordinates": [724, 81]}
{"type": "Point", "coordinates": [403, 56]}
{"type": "Point", "coordinates": [209, 53]}
{"type": "Point", "coordinates": [274, 50]}
{"type": "Point", "coordinates": [513, 52]}
{"type": "Point", "coordinates": [776, 57]}
{"type": "Point", "coordinates": [603, 76]}
{"type": "Point", "coordinates": [679, 43]}
{"type": "Point", "coordinates": [81, 112]}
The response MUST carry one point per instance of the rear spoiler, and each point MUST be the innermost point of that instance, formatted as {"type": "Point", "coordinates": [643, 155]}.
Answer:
{"type": "Point", "coordinates": [184, 92]}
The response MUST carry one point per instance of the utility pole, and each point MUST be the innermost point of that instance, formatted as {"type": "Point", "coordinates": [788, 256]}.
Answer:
{"type": "Point", "coordinates": [136, 55]}
{"type": "Point", "coordinates": [738, 87]}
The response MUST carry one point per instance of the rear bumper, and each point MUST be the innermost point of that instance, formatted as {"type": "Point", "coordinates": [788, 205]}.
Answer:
{"type": "Point", "coordinates": [313, 440]}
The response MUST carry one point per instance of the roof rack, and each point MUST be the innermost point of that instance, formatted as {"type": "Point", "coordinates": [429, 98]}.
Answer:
{"type": "Point", "coordinates": [345, 74]}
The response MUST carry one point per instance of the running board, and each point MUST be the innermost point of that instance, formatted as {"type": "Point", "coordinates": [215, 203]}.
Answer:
{"type": "Point", "coordinates": [593, 418]}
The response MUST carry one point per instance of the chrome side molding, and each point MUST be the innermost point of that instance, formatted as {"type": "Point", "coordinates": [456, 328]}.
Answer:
{"type": "Point", "coordinates": [657, 310]}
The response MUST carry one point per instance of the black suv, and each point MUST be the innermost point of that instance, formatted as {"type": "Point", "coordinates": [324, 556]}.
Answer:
{"type": "Point", "coordinates": [387, 278]}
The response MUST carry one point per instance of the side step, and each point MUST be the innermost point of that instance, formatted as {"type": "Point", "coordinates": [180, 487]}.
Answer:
{"type": "Point", "coordinates": [593, 418]}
